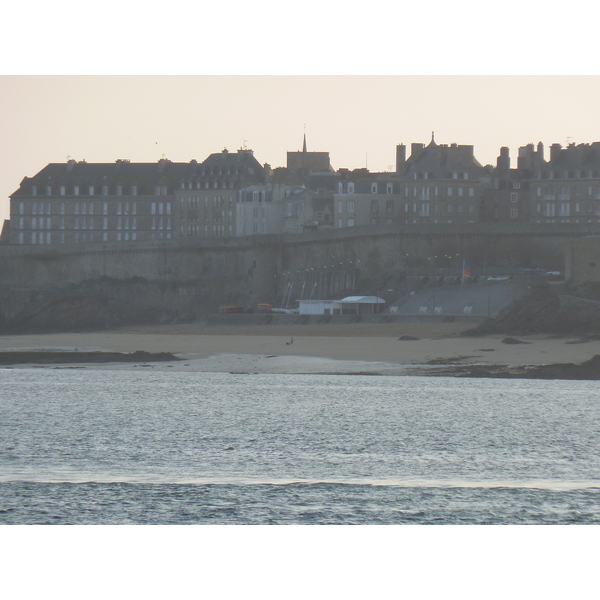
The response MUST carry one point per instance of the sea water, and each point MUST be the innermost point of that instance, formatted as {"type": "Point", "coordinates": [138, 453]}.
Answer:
{"type": "Point", "coordinates": [132, 446]}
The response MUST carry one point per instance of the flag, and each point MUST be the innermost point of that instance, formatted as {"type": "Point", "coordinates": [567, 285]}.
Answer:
{"type": "Point", "coordinates": [466, 269]}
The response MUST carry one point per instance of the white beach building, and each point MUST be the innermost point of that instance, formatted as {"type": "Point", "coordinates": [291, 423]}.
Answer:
{"type": "Point", "coordinates": [351, 305]}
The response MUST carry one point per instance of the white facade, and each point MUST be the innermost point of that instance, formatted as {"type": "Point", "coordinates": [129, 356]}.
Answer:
{"type": "Point", "coordinates": [357, 305]}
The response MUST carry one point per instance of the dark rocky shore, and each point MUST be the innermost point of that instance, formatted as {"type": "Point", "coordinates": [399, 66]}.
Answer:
{"type": "Point", "coordinates": [40, 357]}
{"type": "Point", "coordinates": [588, 370]}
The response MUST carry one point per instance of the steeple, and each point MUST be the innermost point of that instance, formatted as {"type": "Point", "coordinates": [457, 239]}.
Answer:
{"type": "Point", "coordinates": [432, 143]}
{"type": "Point", "coordinates": [304, 142]}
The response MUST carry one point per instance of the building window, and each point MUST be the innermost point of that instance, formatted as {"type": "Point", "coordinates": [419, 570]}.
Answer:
{"type": "Point", "coordinates": [62, 190]}
{"type": "Point", "coordinates": [105, 190]}
{"type": "Point", "coordinates": [340, 223]}
{"type": "Point", "coordinates": [91, 190]}
{"type": "Point", "coordinates": [389, 207]}
{"type": "Point", "coordinates": [75, 190]}
{"type": "Point", "coordinates": [134, 190]}
{"type": "Point", "coordinates": [449, 191]}
{"type": "Point", "coordinates": [514, 197]}
{"type": "Point", "coordinates": [516, 185]}
{"type": "Point", "coordinates": [514, 213]}
{"type": "Point", "coordinates": [390, 188]}
{"type": "Point", "coordinates": [471, 191]}
{"type": "Point", "coordinates": [119, 190]}
{"type": "Point", "coordinates": [350, 223]}
{"type": "Point", "coordinates": [33, 190]}
{"type": "Point", "coordinates": [48, 190]}
{"type": "Point", "coordinates": [351, 188]}
{"type": "Point", "coordinates": [374, 206]}
{"type": "Point", "coordinates": [373, 188]}
{"type": "Point", "coordinates": [350, 207]}
{"type": "Point", "coordinates": [460, 191]}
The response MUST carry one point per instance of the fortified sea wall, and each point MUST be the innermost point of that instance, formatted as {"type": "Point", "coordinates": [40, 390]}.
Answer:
{"type": "Point", "coordinates": [181, 280]}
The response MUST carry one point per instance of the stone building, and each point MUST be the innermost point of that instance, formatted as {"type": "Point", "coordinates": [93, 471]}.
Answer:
{"type": "Point", "coordinates": [259, 209]}
{"type": "Point", "coordinates": [507, 197]}
{"type": "Point", "coordinates": [563, 189]}
{"type": "Point", "coordinates": [365, 198]}
{"type": "Point", "coordinates": [566, 189]}
{"type": "Point", "coordinates": [208, 193]}
{"type": "Point", "coordinates": [80, 202]}
{"type": "Point", "coordinates": [441, 183]}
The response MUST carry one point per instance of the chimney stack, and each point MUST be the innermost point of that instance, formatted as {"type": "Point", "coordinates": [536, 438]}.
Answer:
{"type": "Point", "coordinates": [503, 161]}
{"type": "Point", "coordinates": [400, 158]}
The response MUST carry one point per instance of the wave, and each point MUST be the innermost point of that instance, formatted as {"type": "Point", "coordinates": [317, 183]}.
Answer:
{"type": "Point", "coordinates": [531, 484]}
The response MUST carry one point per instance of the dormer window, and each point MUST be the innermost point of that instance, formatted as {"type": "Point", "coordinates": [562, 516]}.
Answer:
{"type": "Point", "coordinates": [75, 190]}
{"type": "Point", "coordinates": [48, 190]}
{"type": "Point", "coordinates": [390, 188]}
{"type": "Point", "coordinates": [105, 190]}
{"type": "Point", "coordinates": [351, 188]}
{"type": "Point", "coordinates": [91, 190]}
{"type": "Point", "coordinates": [33, 190]}
{"type": "Point", "coordinates": [373, 188]}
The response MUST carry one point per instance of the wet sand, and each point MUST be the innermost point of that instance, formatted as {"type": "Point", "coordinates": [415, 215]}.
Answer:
{"type": "Point", "coordinates": [330, 348]}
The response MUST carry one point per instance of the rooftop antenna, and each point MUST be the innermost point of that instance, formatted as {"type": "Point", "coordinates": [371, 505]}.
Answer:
{"type": "Point", "coordinates": [244, 146]}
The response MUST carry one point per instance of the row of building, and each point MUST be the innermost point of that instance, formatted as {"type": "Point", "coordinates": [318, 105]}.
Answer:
{"type": "Point", "coordinates": [233, 194]}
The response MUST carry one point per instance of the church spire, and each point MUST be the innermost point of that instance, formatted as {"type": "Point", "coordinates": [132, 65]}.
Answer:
{"type": "Point", "coordinates": [304, 142]}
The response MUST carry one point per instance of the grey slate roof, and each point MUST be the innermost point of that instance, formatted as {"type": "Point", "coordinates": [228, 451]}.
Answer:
{"type": "Point", "coordinates": [240, 168]}
{"type": "Point", "coordinates": [440, 161]}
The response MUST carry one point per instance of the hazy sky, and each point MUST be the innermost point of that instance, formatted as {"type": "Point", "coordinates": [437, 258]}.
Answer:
{"type": "Point", "coordinates": [362, 79]}
{"type": "Point", "coordinates": [357, 119]}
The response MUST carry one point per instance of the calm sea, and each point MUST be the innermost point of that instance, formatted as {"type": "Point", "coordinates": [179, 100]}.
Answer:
{"type": "Point", "coordinates": [86, 446]}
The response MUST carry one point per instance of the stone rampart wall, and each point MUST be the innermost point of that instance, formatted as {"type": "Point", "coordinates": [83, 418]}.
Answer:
{"type": "Point", "coordinates": [277, 269]}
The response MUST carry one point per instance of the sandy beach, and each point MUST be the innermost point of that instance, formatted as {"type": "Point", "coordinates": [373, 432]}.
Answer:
{"type": "Point", "coordinates": [331, 348]}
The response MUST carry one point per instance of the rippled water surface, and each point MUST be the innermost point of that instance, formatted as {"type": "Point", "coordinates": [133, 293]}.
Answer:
{"type": "Point", "coordinates": [100, 446]}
